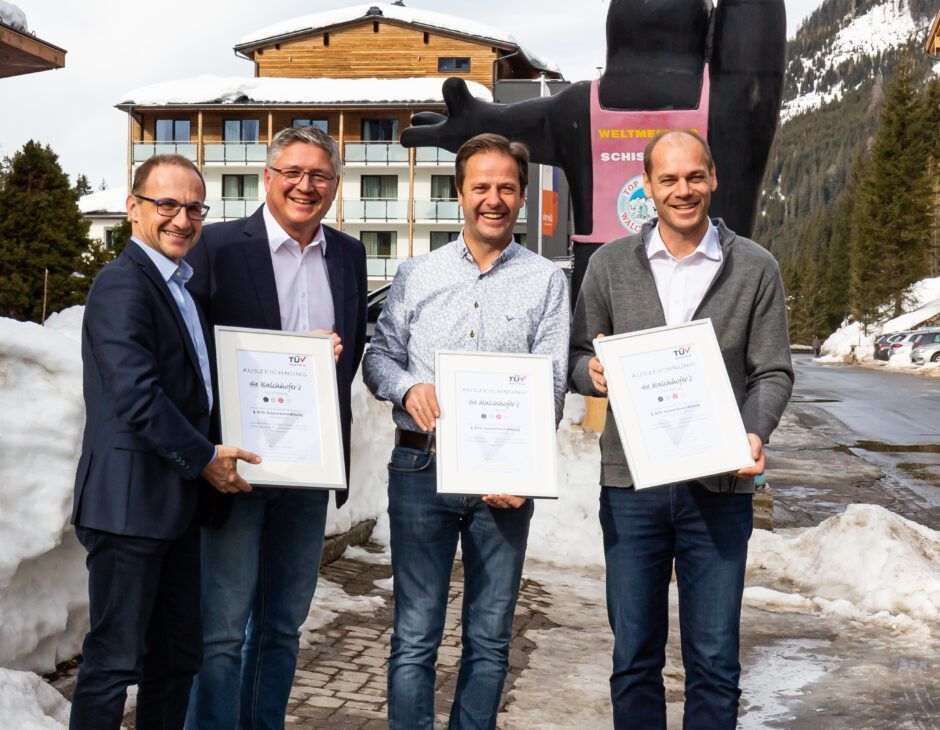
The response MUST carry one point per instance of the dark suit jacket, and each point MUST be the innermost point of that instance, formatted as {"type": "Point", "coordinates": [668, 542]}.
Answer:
{"type": "Point", "coordinates": [234, 284]}
{"type": "Point", "coordinates": [146, 409]}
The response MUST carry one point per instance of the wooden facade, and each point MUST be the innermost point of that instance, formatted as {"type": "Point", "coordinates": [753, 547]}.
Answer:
{"type": "Point", "coordinates": [22, 53]}
{"type": "Point", "coordinates": [932, 46]}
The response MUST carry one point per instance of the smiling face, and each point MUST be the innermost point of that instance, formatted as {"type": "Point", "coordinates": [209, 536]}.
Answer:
{"type": "Point", "coordinates": [173, 237]}
{"type": "Point", "coordinates": [491, 198]}
{"type": "Point", "coordinates": [681, 184]}
{"type": "Point", "coordinates": [299, 207]}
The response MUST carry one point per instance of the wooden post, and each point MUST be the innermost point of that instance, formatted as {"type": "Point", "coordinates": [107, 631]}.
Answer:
{"type": "Point", "coordinates": [200, 153]}
{"type": "Point", "coordinates": [411, 202]}
{"type": "Point", "coordinates": [45, 296]}
{"type": "Point", "coordinates": [130, 147]}
{"type": "Point", "coordinates": [342, 156]}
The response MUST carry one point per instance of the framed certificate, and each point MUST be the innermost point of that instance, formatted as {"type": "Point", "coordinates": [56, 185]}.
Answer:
{"type": "Point", "coordinates": [673, 404]}
{"type": "Point", "coordinates": [278, 398]}
{"type": "Point", "coordinates": [496, 433]}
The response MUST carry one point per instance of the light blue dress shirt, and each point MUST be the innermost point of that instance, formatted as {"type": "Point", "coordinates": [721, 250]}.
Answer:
{"type": "Point", "coordinates": [176, 275]}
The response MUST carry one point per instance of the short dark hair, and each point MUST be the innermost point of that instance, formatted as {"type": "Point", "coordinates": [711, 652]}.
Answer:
{"type": "Point", "coordinates": [143, 172]}
{"type": "Point", "coordinates": [648, 152]}
{"type": "Point", "coordinates": [492, 143]}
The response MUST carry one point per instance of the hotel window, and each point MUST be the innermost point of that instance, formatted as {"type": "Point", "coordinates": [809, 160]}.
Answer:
{"type": "Point", "coordinates": [449, 64]}
{"type": "Point", "coordinates": [320, 124]}
{"type": "Point", "coordinates": [443, 187]}
{"type": "Point", "coordinates": [520, 238]}
{"type": "Point", "coordinates": [379, 187]}
{"type": "Point", "coordinates": [239, 187]}
{"type": "Point", "coordinates": [380, 244]}
{"type": "Point", "coordinates": [379, 130]}
{"type": "Point", "coordinates": [241, 130]}
{"type": "Point", "coordinates": [439, 239]}
{"type": "Point", "coordinates": [171, 130]}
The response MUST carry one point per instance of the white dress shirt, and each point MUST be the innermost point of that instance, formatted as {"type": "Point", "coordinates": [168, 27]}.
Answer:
{"type": "Point", "coordinates": [303, 286]}
{"type": "Point", "coordinates": [682, 283]}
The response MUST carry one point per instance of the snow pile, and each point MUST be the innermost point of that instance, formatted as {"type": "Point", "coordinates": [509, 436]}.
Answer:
{"type": "Point", "coordinates": [12, 17]}
{"type": "Point", "coordinates": [43, 595]}
{"type": "Point", "coordinates": [28, 703]}
{"type": "Point", "coordinates": [329, 601]}
{"type": "Point", "coordinates": [866, 564]}
{"type": "Point", "coordinates": [882, 28]}
{"type": "Point", "coordinates": [112, 200]}
{"type": "Point", "coordinates": [428, 18]}
{"type": "Point", "coordinates": [209, 89]}
{"type": "Point", "coordinates": [925, 297]}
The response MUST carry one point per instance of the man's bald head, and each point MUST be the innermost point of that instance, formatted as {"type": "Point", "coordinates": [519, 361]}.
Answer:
{"type": "Point", "coordinates": [675, 137]}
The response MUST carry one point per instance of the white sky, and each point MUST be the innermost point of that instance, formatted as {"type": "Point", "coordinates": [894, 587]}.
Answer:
{"type": "Point", "coordinates": [115, 45]}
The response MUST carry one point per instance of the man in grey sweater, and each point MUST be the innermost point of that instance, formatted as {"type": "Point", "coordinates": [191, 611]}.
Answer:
{"type": "Point", "coordinates": [680, 267]}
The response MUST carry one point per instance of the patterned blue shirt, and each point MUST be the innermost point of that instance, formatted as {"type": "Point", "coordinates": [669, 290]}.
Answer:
{"type": "Point", "coordinates": [441, 301]}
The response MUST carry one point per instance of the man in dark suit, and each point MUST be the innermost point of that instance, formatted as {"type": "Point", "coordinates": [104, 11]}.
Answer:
{"type": "Point", "coordinates": [278, 269]}
{"type": "Point", "coordinates": [145, 453]}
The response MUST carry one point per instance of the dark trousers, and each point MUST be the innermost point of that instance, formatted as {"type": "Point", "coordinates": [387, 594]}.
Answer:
{"type": "Point", "coordinates": [145, 630]}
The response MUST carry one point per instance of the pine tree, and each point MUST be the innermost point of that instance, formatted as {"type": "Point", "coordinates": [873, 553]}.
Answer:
{"type": "Point", "coordinates": [931, 123]}
{"type": "Point", "coordinates": [41, 229]}
{"type": "Point", "coordinates": [82, 186]}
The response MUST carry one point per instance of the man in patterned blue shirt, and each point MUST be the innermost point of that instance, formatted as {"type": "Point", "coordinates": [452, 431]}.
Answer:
{"type": "Point", "coordinates": [482, 292]}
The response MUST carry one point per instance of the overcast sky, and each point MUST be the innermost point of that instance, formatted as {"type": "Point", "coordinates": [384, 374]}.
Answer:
{"type": "Point", "coordinates": [115, 46]}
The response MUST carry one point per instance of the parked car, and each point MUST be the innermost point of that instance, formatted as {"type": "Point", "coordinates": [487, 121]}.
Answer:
{"type": "Point", "coordinates": [927, 353]}
{"type": "Point", "coordinates": [375, 302]}
{"type": "Point", "coordinates": [883, 345]}
{"type": "Point", "coordinates": [906, 346]}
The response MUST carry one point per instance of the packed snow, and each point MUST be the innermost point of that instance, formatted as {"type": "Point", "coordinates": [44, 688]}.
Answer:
{"type": "Point", "coordinates": [13, 17]}
{"type": "Point", "coordinates": [28, 703]}
{"type": "Point", "coordinates": [882, 28]}
{"type": "Point", "coordinates": [209, 89]}
{"type": "Point", "coordinates": [428, 18]}
{"type": "Point", "coordinates": [111, 200]}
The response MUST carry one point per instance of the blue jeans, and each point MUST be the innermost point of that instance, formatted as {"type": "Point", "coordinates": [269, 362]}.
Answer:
{"type": "Point", "coordinates": [707, 534]}
{"type": "Point", "coordinates": [144, 610]}
{"type": "Point", "coordinates": [259, 572]}
{"type": "Point", "coordinates": [425, 528]}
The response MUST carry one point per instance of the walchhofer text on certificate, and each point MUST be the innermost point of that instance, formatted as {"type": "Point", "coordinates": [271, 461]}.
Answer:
{"type": "Point", "coordinates": [495, 421]}
{"type": "Point", "coordinates": [279, 410]}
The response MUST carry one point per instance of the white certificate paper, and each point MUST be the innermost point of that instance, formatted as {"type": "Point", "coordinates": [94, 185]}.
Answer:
{"type": "Point", "coordinates": [495, 422]}
{"type": "Point", "coordinates": [278, 398]}
{"type": "Point", "coordinates": [279, 407]}
{"type": "Point", "coordinates": [496, 433]}
{"type": "Point", "coordinates": [673, 404]}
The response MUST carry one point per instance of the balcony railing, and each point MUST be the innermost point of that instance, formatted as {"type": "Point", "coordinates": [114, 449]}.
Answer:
{"type": "Point", "coordinates": [375, 210]}
{"type": "Point", "coordinates": [231, 208]}
{"type": "Point", "coordinates": [145, 150]}
{"type": "Point", "coordinates": [381, 268]}
{"type": "Point", "coordinates": [375, 153]}
{"type": "Point", "coordinates": [438, 210]}
{"type": "Point", "coordinates": [229, 153]}
{"type": "Point", "coordinates": [434, 156]}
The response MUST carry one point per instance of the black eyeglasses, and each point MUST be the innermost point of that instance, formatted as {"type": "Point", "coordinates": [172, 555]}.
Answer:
{"type": "Point", "coordinates": [168, 208]}
{"type": "Point", "coordinates": [295, 175]}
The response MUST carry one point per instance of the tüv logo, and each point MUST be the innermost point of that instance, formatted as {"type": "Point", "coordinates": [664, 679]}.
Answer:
{"type": "Point", "coordinates": [518, 379]}
{"type": "Point", "coordinates": [296, 359]}
{"type": "Point", "coordinates": [682, 351]}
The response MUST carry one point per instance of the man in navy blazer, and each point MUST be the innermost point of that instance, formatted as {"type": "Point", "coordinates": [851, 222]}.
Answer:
{"type": "Point", "coordinates": [278, 269]}
{"type": "Point", "coordinates": [145, 454]}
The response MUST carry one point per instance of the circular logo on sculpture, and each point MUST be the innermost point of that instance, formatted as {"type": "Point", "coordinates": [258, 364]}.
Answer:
{"type": "Point", "coordinates": [633, 207]}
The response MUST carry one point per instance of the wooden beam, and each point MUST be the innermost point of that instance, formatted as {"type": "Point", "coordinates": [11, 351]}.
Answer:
{"type": "Point", "coordinates": [21, 53]}
{"type": "Point", "coordinates": [342, 156]}
{"type": "Point", "coordinates": [411, 202]}
{"type": "Point", "coordinates": [200, 154]}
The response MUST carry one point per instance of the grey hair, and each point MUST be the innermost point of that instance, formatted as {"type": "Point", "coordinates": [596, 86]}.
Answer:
{"type": "Point", "coordinates": [306, 135]}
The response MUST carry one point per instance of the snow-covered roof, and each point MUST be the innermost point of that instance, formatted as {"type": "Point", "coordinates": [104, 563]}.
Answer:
{"type": "Point", "coordinates": [426, 18]}
{"type": "Point", "coordinates": [104, 201]}
{"type": "Point", "coordinates": [12, 16]}
{"type": "Point", "coordinates": [209, 89]}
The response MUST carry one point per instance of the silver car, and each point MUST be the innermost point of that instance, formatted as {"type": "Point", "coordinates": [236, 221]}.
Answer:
{"type": "Point", "coordinates": [928, 352]}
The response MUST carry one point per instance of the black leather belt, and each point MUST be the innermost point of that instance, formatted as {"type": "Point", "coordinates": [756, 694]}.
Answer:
{"type": "Point", "coordinates": [416, 440]}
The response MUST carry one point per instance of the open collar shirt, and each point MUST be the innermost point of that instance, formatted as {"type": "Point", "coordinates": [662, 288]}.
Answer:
{"type": "Point", "coordinates": [303, 286]}
{"type": "Point", "coordinates": [682, 283]}
{"type": "Point", "coordinates": [442, 301]}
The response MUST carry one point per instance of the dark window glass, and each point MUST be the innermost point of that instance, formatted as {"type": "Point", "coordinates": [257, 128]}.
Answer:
{"type": "Point", "coordinates": [520, 238]}
{"type": "Point", "coordinates": [240, 187]}
{"type": "Point", "coordinates": [379, 130]}
{"type": "Point", "coordinates": [443, 187]}
{"type": "Point", "coordinates": [442, 238]}
{"type": "Point", "coordinates": [320, 124]}
{"type": "Point", "coordinates": [450, 64]}
{"type": "Point", "coordinates": [241, 130]}
{"type": "Point", "coordinates": [379, 187]}
{"type": "Point", "coordinates": [380, 244]}
{"type": "Point", "coordinates": [171, 130]}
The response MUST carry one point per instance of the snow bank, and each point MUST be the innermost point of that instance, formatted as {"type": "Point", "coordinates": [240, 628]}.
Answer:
{"type": "Point", "coordinates": [431, 19]}
{"type": "Point", "coordinates": [209, 89]}
{"type": "Point", "coordinates": [28, 703]}
{"type": "Point", "coordinates": [43, 597]}
{"type": "Point", "coordinates": [865, 564]}
{"type": "Point", "coordinates": [111, 200]}
{"type": "Point", "coordinates": [12, 16]}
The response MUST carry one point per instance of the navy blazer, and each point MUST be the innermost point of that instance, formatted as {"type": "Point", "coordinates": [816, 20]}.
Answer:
{"type": "Point", "coordinates": [234, 283]}
{"type": "Point", "coordinates": [146, 410]}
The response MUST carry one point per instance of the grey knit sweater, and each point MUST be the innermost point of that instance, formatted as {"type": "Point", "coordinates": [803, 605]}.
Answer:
{"type": "Point", "coordinates": [748, 311]}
